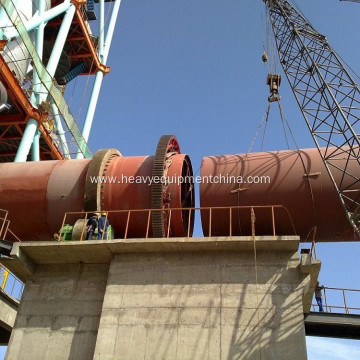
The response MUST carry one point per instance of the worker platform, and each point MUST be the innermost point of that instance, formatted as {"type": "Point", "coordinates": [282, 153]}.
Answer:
{"type": "Point", "coordinates": [8, 311]}
{"type": "Point", "coordinates": [178, 298]}
{"type": "Point", "coordinates": [346, 326]}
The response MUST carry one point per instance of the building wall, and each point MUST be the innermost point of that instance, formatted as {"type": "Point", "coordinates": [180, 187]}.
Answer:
{"type": "Point", "coordinates": [59, 314]}
{"type": "Point", "coordinates": [203, 306]}
{"type": "Point", "coordinates": [162, 305]}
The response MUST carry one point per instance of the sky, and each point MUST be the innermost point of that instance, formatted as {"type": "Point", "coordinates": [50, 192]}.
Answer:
{"type": "Point", "coordinates": [193, 68]}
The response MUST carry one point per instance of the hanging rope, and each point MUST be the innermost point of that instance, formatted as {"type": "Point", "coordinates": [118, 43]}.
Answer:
{"type": "Point", "coordinates": [253, 219]}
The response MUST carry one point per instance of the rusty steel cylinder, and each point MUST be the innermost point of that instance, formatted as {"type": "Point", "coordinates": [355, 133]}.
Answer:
{"type": "Point", "coordinates": [135, 194]}
{"type": "Point", "coordinates": [38, 194]}
{"type": "Point", "coordinates": [296, 180]}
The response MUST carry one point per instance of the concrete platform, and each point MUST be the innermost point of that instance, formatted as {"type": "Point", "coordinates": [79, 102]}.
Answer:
{"type": "Point", "coordinates": [26, 254]}
{"type": "Point", "coordinates": [200, 298]}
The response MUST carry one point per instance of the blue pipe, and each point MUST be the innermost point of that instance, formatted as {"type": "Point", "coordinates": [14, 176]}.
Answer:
{"type": "Point", "coordinates": [58, 46]}
{"type": "Point", "coordinates": [29, 132]}
{"type": "Point", "coordinates": [5, 21]}
{"type": "Point", "coordinates": [60, 130]}
{"type": "Point", "coordinates": [101, 29]}
{"type": "Point", "coordinates": [26, 141]}
{"type": "Point", "coordinates": [3, 17]}
{"type": "Point", "coordinates": [36, 21]}
{"type": "Point", "coordinates": [35, 146]}
{"type": "Point", "coordinates": [111, 28]}
{"type": "Point", "coordinates": [92, 105]}
{"type": "Point", "coordinates": [39, 45]}
{"type": "Point", "coordinates": [99, 75]}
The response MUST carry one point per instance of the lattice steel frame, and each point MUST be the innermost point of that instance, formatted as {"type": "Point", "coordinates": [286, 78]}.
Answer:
{"type": "Point", "coordinates": [328, 98]}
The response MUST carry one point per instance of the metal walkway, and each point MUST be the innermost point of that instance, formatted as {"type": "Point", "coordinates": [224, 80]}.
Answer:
{"type": "Point", "coordinates": [341, 315]}
{"type": "Point", "coordinates": [8, 311]}
{"type": "Point", "coordinates": [333, 325]}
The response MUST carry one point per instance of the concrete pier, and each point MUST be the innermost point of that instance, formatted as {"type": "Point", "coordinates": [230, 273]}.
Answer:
{"type": "Point", "coordinates": [200, 298]}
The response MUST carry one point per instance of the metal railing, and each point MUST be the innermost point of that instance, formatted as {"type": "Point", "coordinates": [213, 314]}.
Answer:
{"type": "Point", "coordinates": [5, 226]}
{"type": "Point", "coordinates": [312, 250]}
{"type": "Point", "coordinates": [71, 217]}
{"type": "Point", "coordinates": [10, 284]}
{"type": "Point", "coordinates": [337, 300]}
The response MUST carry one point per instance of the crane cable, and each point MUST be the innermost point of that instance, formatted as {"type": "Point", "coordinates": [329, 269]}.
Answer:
{"type": "Point", "coordinates": [284, 121]}
{"type": "Point", "coordinates": [263, 120]}
{"type": "Point", "coordinates": [83, 98]}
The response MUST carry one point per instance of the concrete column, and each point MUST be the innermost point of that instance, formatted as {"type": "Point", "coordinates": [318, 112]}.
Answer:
{"type": "Point", "coordinates": [204, 298]}
{"type": "Point", "coordinates": [59, 315]}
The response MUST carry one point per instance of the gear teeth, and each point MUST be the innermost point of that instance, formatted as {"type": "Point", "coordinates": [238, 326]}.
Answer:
{"type": "Point", "coordinates": [167, 143]}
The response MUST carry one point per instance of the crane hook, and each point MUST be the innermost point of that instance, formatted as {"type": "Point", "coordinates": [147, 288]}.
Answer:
{"type": "Point", "coordinates": [265, 57]}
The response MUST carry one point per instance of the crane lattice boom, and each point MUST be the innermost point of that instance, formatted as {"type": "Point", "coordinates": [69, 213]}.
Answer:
{"type": "Point", "coordinates": [328, 97]}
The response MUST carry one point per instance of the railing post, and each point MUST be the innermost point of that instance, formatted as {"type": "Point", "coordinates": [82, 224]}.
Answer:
{"type": "Point", "coordinates": [5, 277]}
{"type": "Point", "coordinates": [230, 219]}
{"type": "Point", "coordinates": [169, 223]}
{"type": "Point", "coordinates": [12, 289]}
{"type": "Point", "coordinates": [105, 228]}
{"type": "Point", "coordinates": [62, 227]}
{"type": "Point", "coordinates": [127, 224]}
{"type": "Point", "coordinates": [83, 228]}
{"type": "Point", "coordinates": [189, 219]}
{"type": "Point", "coordinates": [148, 224]}
{"type": "Point", "coordinates": [346, 308]}
{"type": "Point", "coordinates": [6, 228]}
{"type": "Point", "coordinates": [21, 290]}
{"type": "Point", "coordinates": [2, 226]}
{"type": "Point", "coordinates": [210, 210]}
{"type": "Point", "coordinates": [273, 220]}
{"type": "Point", "coordinates": [326, 305]}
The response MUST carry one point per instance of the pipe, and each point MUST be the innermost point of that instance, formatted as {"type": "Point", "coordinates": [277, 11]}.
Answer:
{"type": "Point", "coordinates": [35, 98]}
{"type": "Point", "coordinates": [101, 29]}
{"type": "Point", "coordinates": [36, 21]}
{"type": "Point", "coordinates": [58, 46]}
{"type": "Point", "coordinates": [296, 180]}
{"type": "Point", "coordinates": [29, 132]}
{"type": "Point", "coordinates": [35, 147]}
{"type": "Point", "coordinates": [26, 141]}
{"type": "Point", "coordinates": [99, 76]}
{"type": "Point", "coordinates": [4, 19]}
{"type": "Point", "coordinates": [60, 130]}
{"type": "Point", "coordinates": [111, 28]}
{"type": "Point", "coordinates": [91, 108]}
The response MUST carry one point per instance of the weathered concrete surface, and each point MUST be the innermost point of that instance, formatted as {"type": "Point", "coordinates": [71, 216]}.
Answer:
{"type": "Point", "coordinates": [8, 311]}
{"type": "Point", "coordinates": [26, 254]}
{"type": "Point", "coordinates": [59, 314]}
{"type": "Point", "coordinates": [162, 299]}
{"type": "Point", "coordinates": [311, 267]}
